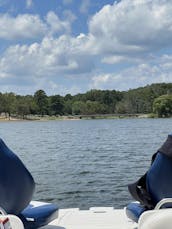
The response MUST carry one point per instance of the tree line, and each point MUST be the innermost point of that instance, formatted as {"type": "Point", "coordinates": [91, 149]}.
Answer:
{"type": "Point", "coordinates": [155, 98]}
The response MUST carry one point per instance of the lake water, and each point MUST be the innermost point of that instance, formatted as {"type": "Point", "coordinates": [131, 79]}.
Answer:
{"type": "Point", "coordinates": [85, 163]}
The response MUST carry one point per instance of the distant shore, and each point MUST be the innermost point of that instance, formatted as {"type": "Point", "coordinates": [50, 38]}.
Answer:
{"type": "Point", "coordinates": [6, 119]}
{"type": "Point", "coordinates": [75, 117]}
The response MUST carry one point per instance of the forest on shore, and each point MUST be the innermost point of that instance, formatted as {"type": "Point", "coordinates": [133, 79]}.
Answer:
{"type": "Point", "coordinates": [155, 99]}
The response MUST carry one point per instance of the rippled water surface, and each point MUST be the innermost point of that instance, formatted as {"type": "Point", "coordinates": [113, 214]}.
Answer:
{"type": "Point", "coordinates": [86, 163]}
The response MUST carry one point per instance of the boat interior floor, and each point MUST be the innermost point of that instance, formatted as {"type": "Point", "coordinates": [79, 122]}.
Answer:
{"type": "Point", "coordinates": [94, 218]}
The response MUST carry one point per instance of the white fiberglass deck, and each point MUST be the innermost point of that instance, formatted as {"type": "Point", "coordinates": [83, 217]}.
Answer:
{"type": "Point", "coordinates": [94, 218]}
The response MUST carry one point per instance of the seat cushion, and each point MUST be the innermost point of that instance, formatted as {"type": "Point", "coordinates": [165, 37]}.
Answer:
{"type": "Point", "coordinates": [38, 214]}
{"type": "Point", "coordinates": [134, 211]}
{"type": "Point", "coordinates": [158, 179]}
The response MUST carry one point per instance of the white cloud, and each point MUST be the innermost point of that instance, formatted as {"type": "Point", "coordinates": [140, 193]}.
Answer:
{"type": "Point", "coordinates": [113, 59]}
{"type": "Point", "coordinates": [122, 29]}
{"type": "Point", "coordinates": [56, 24]}
{"type": "Point", "coordinates": [131, 27]}
{"type": "Point", "coordinates": [61, 89]}
{"type": "Point", "coordinates": [44, 64]}
{"type": "Point", "coordinates": [136, 76]}
{"type": "Point", "coordinates": [51, 57]}
{"type": "Point", "coordinates": [128, 31]}
{"type": "Point", "coordinates": [28, 26]}
{"type": "Point", "coordinates": [23, 26]}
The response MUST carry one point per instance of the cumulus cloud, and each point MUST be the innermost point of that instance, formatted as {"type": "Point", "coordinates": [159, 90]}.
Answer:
{"type": "Point", "coordinates": [122, 29]}
{"type": "Point", "coordinates": [28, 26]}
{"type": "Point", "coordinates": [132, 27]}
{"type": "Point", "coordinates": [51, 57]}
{"type": "Point", "coordinates": [136, 76]}
{"type": "Point", "coordinates": [127, 31]}
{"type": "Point", "coordinates": [23, 26]}
{"type": "Point", "coordinates": [56, 24]}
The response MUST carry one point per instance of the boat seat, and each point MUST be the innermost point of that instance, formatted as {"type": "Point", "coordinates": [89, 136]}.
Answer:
{"type": "Point", "coordinates": [38, 214]}
{"type": "Point", "coordinates": [134, 211]}
{"type": "Point", "coordinates": [16, 190]}
{"type": "Point", "coordinates": [158, 183]}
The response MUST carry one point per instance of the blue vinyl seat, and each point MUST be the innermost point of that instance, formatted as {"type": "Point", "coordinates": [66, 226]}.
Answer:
{"type": "Point", "coordinates": [36, 216]}
{"type": "Point", "coordinates": [158, 184]}
{"type": "Point", "coordinates": [134, 211]}
{"type": "Point", "coordinates": [16, 190]}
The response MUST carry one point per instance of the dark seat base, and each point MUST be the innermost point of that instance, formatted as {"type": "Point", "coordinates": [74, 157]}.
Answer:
{"type": "Point", "coordinates": [38, 214]}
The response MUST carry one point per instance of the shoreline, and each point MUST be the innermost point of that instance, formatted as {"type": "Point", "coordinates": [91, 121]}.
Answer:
{"type": "Point", "coordinates": [76, 117]}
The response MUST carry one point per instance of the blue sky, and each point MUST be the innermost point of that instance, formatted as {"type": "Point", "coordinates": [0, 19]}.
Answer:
{"type": "Point", "coordinates": [72, 46]}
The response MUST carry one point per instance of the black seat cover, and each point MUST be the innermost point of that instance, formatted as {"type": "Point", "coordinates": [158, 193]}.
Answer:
{"type": "Point", "coordinates": [16, 183]}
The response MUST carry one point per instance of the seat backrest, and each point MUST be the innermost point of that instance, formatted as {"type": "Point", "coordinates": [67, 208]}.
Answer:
{"type": "Point", "coordinates": [16, 183]}
{"type": "Point", "coordinates": [159, 178]}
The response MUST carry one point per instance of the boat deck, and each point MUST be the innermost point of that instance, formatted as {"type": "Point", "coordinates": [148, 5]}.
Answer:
{"type": "Point", "coordinates": [94, 218]}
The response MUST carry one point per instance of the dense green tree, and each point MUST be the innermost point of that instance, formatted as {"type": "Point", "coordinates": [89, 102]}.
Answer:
{"type": "Point", "coordinates": [41, 101]}
{"type": "Point", "coordinates": [162, 106]}
{"type": "Point", "coordinates": [68, 107]}
{"type": "Point", "coordinates": [56, 105]}
{"type": "Point", "coordinates": [79, 108]}
{"type": "Point", "coordinates": [25, 105]}
{"type": "Point", "coordinates": [94, 107]}
{"type": "Point", "coordinates": [31, 103]}
{"type": "Point", "coordinates": [121, 107]}
{"type": "Point", "coordinates": [9, 103]}
{"type": "Point", "coordinates": [155, 97]}
{"type": "Point", "coordinates": [22, 106]}
{"type": "Point", "coordinates": [1, 103]}
{"type": "Point", "coordinates": [88, 108]}
{"type": "Point", "coordinates": [106, 97]}
{"type": "Point", "coordinates": [68, 97]}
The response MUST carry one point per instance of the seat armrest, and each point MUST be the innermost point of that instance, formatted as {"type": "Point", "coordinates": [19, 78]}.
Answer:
{"type": "Point", "coordinates": [13, 221]}
{"type": "Point", "coordinates": [162, 202]}
{"type": "Point", "coordinates": [156, 219]}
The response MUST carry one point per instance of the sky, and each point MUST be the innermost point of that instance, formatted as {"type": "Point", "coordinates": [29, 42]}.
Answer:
{"type": "Point", "coordinates": [73, 46]}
